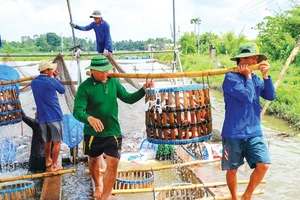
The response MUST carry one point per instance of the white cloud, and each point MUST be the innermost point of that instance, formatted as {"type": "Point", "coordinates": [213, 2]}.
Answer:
{"type": "Point", "coordinates": [131, 19]}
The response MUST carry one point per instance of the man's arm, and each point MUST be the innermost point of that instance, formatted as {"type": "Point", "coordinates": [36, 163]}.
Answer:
{"type": "Point", "coordinates": [235, 87]}
{"type": "Point", "coordinates": [85, 28]}
{"type": "Point", "coordinates": [28, 120]}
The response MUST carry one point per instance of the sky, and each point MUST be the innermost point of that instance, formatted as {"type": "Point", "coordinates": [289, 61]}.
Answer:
{"type": "Point", "coordinates": [134, 19]}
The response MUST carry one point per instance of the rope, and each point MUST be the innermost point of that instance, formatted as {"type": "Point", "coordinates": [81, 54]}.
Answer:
{"type": "Point", "coordinates": [153, 187]}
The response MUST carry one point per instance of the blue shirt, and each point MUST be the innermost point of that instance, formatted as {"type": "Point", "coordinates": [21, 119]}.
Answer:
{"type": "Point", "coordinates": [44, 91]}
{"type": "Point", "coordinates": [102, 31]}
{"type": "Point", "coordinates": [242, 105]}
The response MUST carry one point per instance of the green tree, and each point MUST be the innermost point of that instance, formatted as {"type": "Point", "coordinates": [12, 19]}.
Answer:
{"type": "Point", "coordinates": [229, 42]}
{"type": "Point", "coordinates": [42, 44]}
{"type": "Point", "coordinates": [279, 33]}
{"type": "Point", "coordinates": [187, 43]}
{"type": "Point", "coordinates": [54, 41]}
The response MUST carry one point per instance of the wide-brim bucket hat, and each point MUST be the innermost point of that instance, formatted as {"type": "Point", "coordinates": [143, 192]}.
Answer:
{"type": "Point", "coordinates": [249, 49]}
{"type": "Point", "coordinates": [96, 13]}
{"type": "Point", "coordinates": [100, 63]}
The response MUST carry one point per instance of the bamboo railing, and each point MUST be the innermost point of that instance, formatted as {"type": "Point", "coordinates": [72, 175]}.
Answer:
{"type": "Point", "coordinates": [193, 186]}
{"type": "Point", "coordinates": [144, 169]}
{"type": "Point", "coordinates": [39, 175]}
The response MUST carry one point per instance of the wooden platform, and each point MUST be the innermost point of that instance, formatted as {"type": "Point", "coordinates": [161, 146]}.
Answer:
{"type": "Point", "coordinates": [52, 186]}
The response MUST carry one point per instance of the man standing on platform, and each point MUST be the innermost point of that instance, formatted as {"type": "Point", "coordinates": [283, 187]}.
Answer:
{"type": "Point", "coordinates": [102, 31]}
{"type": "Point", "coordinates": [44, 88]}
{"type": "Point", "coordinates": [242, 135]}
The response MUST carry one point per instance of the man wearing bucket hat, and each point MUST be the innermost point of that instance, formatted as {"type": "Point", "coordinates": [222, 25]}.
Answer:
{"type": "Point", "coordinates": [96, 105]}
{"type": "Point", "coordinates": [44, 88]}
{"type": "Point", "coordinates": [242, 134]}
{"type": "Point", "coordinates": [102, 31]}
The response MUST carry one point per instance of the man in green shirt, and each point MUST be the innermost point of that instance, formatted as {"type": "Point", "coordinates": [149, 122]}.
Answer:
{"type": "Point", "coordinates": [96, 105]}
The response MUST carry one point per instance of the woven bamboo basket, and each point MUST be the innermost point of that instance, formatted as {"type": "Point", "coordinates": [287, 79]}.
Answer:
{"type": "Point", "coordinates": [10, 109]}
{"type": "Point", "coordinates": [178, 115]}
{"type": "Point", "coordinates": [18, 190]}
{"type": "Point", "coordinates": [134, 180]}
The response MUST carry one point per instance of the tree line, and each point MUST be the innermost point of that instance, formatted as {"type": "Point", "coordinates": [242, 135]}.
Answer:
{"type": "Point", "coordinates": [51, 42]}
{"type": "Point", "coordinates": [277, 36]}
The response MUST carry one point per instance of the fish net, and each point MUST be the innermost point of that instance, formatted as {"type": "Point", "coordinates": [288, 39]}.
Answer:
{"type": "Point", "coordinates": [14, 129]}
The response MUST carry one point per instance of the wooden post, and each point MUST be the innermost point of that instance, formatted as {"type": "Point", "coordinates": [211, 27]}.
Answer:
{"type": "Point", "coordinates": [285, 67]}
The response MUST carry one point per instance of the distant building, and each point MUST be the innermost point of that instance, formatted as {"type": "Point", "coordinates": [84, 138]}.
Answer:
{"type": "Point", "coordinates": [157, 47]}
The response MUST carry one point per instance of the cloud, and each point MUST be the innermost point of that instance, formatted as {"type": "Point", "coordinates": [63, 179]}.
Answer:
{"type": "Point", "coordinates": [130, 19]}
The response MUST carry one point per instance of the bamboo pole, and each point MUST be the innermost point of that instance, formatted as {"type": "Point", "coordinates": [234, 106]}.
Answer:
{"type": "Point", "coordinates": [151, 76]}
{"type": "Point", "coordinates": [145, 169]}
{"type": "Point", "coordinates": [192, 186]}
{"type": "Point", "coordinates": [285, 67]}
{"type": "Point", "coordinates": [211, 72]}
{"type": "Point", "coordinates": [225, 197]}
{"type": "Point", "coordinates": [17, 80]}
{"type": "Point", "coordinates": [40, 175]}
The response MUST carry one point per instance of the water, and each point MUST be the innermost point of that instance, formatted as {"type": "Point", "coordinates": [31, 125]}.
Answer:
{"type": "Point", "coordinates": [282, 177]}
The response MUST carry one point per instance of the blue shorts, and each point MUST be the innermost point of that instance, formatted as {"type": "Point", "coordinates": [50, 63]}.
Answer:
{"type": "Point", "coordinates": [255, 150]}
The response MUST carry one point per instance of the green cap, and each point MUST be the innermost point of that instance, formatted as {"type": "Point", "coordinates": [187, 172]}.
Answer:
{"type": "Point", "coordinates": [100, 63]}
{"type": "Point", "coordinates": [247, 50]}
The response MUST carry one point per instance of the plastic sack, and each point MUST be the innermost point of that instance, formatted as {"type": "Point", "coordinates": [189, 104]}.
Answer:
{"type": "Point", "coordinates": [73, 130]}
{"type": "Point", "coordinates": [212, 151]}
{"type": "Point", "coordinates": [8, 151]}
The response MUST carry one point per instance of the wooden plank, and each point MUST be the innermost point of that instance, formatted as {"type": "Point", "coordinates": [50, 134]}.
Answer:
{"type": "Point", "coordinates": [52, 186]}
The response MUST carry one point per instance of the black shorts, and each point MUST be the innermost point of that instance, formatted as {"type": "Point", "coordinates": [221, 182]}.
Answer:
{"type": "Point", "coordinates": [94, 146]}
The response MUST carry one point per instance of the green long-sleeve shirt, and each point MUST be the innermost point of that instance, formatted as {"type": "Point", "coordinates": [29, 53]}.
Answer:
{"type": "Point", "coordinates": [99, 100]}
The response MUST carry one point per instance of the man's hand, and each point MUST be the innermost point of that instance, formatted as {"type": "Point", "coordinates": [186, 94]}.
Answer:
{"type": "Point", "coordinates": [72, 24]}
{"type": "Point", "coordinates": [243, 69]}
{"type": "Point", "coordinates": [149, 84]}
{"type": "Point", "coordinates": [264, 67]}
{"type": "Point", "coordinates": [105, 52]}
{"type": "Point", "coordinates": [55, 73]}
{"type": "Point", "coordinates": [96, 124]}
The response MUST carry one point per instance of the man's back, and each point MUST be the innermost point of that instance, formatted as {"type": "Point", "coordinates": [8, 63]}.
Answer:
{"type": "Point", "coordinates": [44, 91]}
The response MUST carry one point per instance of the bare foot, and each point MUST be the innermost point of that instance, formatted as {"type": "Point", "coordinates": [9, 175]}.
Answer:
{"type": "Point", "coordinates": [56, 168]}
{"type": "Point", "coordinates": [48, 162]}
{"type": "Point", "coordinates": [98, 191]}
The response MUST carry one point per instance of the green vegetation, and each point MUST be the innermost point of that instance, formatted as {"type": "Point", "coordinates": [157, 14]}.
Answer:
{"type": "Point", "coordinates": [52, 43]}
{"type": "Point", "coordinates": [277, 37]}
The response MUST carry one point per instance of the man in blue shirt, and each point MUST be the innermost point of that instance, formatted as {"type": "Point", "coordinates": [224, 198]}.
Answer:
{"type": "Point", "coordinates": [102, 31]}
{"type": "Point", "coordinates": [44, 88]}
{"type": "Point", "coordinates": [242, 133]}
